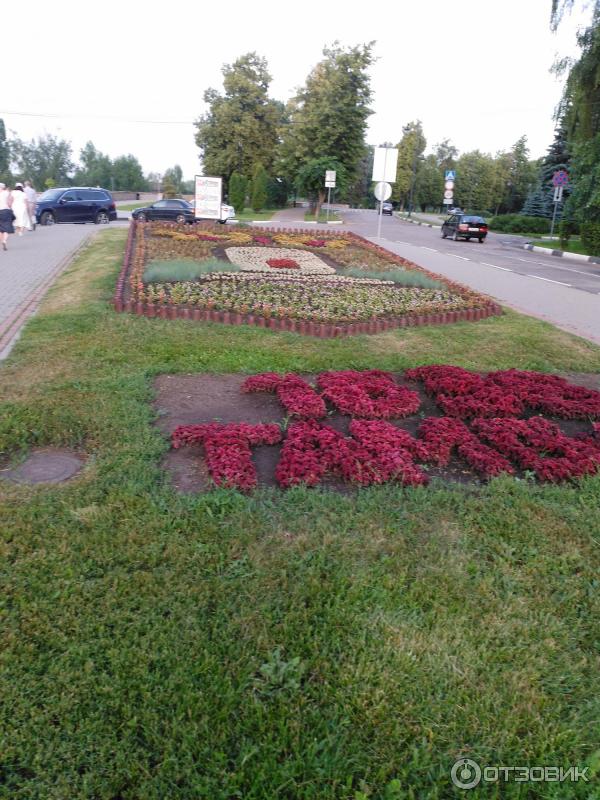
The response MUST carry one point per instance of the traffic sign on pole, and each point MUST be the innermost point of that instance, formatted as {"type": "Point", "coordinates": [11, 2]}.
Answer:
{"type": "Point", "coordinates": [449, 185]}
{"type": "Point", "coordinates": [450, 175]}
{"type": "Point", "coordinates": [560, 178]}
{"type": "Point", "coordinates": [558, 194]}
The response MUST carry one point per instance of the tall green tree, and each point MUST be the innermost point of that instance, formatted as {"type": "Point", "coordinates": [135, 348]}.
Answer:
{"type": "Point", "coordinates": [174, 176]}
{"type": "Point", "coordinates": [240, 128]}
{"type": "Point", "coordinates": [42, 159]}
{"type": "Point", "coordinates": [237, 191]}
{"type": "Point", "coordinates": [429, 186]}
{"type": "Point", "coordinates": [410, 151]}
{"type": "Point", "coordinates": [95, 168]}
{"type": "Point", "coordinates": [311, 179]}
{"type": "Point", "coordinates": [445, 155]}
{"type": "Point", "coordinates": [4, 154]}
{"type": "Point", "coordinates": [476, 188]}
{"type": "Point", "coordinates": [260, 180]}
{"type": "Point", "coordinates": [328, 116]}
{"type": "Point", "coordinates": [128, 174]}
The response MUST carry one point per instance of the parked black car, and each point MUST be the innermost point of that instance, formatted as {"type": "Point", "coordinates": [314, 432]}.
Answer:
{"type": "Point", "coordinates": [75, 204]}
{"type": "Point", "coordinates": [171, 210]}
{"type": "Point", "coordinates": [387, 208]}
{"type": "Point", "coordinates": [465, 226]}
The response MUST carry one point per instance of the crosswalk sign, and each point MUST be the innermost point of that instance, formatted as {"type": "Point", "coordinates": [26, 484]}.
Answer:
{"type": "Point", "coordinates": [450, 175]}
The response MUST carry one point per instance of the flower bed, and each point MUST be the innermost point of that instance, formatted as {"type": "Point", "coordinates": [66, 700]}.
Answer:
{"type": "Point", "coordinates": [288, 281]}
{"type": "Point", "coordinates": [372, 446]}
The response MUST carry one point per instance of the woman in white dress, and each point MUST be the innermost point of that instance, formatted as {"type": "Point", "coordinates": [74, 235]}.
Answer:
{"type": "Point", "coordinates": [19, 208]}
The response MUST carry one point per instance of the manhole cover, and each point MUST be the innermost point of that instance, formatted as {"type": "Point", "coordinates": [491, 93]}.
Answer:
{"type": "Point", "coordinates": [47, 466]}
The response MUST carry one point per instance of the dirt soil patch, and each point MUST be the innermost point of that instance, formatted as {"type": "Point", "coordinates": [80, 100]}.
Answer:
{"type": "Point", "coordinates": [195, 399]}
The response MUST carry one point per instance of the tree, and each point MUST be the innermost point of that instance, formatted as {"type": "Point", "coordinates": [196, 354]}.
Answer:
{"type": "Point", "coordinates": [278, 191]}
{"type": "Point", "coordinates": [4, 154]}
{"type": "Point", "coordinates": [260, 181]}
{"type": "Point", "coordinates": [311, 179]}
{"type": "Point", "coordinates": [95, 169]}
{"type": "Point", "coordinates": [359, 193]}
{"type": "Point", "coordinates": [445, 155]}
{"type": "Point", "coordinates": [535, 204]}
{"type": "Point", "coordinates": [237, 192]}
{"type": "Point", "coordinates": [240, 129]}
{"type": "Point", "coordinates": [429, 184]}
{"type": "Point", "coordinates": [476, 188]}
{"type": "Point", "coordinates": [328, 116]}
{"type": "Point", "coordinates": [410, 150]}
{"type": "Point", "coordinates": [47, 158]}
{"type": "Point", "coordinates": [128, 174]}
{"type": "Point", "coordinates": [174, 177]}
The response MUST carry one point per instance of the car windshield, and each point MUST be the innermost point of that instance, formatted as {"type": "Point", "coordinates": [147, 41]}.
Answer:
{"type": "Point", "coordinates": [51, 194]}
{"type": "Point", "coordinates": [474, 219]}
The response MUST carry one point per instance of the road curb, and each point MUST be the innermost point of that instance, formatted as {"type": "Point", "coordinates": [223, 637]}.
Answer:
{"type": "Point", "coordinates": [414, 222]}
{"type": "Point", "coordinates": [561, 254]}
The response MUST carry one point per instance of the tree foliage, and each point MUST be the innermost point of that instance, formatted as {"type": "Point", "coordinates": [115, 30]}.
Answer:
{"type": "Point", "coordinates": [328, 116]}
{"type": "Point", "coordinates": [410, 149]}
{"type": "Point", "coordinates": [95, 168]}
{"type": "Point", "coordinates": [240, 128]}
{"type": "Point", "coordinates": [260, 179]}
{"type": "Point", "coordinates": [174, 177]}
{"type": "Point", "coordinates": [4, 154]}
{"type": "Point", "coordinates": [237, 191]}
{"type": "Point", "coordinates": [128, 174]}
{"type": "Point", "coordinates": [47, 158]}
{"type": "Point", "coordinates": [311, 179]}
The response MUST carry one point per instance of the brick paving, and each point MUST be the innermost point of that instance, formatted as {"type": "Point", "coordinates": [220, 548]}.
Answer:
{"type": "Point", "coordinates": [28, 268]}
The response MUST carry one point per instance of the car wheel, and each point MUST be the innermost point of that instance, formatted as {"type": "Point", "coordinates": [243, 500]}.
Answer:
{"type": "Point", "coordinates": [141, 217]}
{"type": "Point", "coordinates": [102, 218]}
{"type": "Point", "coordinates": [180, 218]}
{"type": "Point", "coordinates": [222, 221]}
{"type": "Point", "coordinates": [47, 218]}
{"type": "Point", "coordinates": [467, 238]}
{"type": "Point", "coordinates": [443, 235]}
{"type": "Point", "coordinates": [481, 240]}
{"type": "Point", "coordinates": [455, 237]}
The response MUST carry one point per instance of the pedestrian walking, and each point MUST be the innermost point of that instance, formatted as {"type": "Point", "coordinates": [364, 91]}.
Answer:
{"type": "Point", "coordinates": [6, 215]}
{"type": "Point", "coordinates": [19, 208]}
{"type": "Point", "coordinates": [31, 198]}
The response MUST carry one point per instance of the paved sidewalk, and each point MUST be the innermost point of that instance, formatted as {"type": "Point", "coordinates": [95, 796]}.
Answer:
{"type": "Point", "coordinates": [28, 268]}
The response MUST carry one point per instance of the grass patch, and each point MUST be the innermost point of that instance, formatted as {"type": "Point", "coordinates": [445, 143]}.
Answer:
{"type": "Point", "coordinates": [133, 206]}
{"type": "Point", "coordinates": [184, 269]}
{"type": "Point", "coordinates": [400, 276]}
{"type": "Point", "coordinates": [248, 214]}
{"type": "Point", "coordinates": [300, 645]}
{"type": "Point", "coordinates": [322, 218]}
{"type": "Point", "coordinates": [575, 245]}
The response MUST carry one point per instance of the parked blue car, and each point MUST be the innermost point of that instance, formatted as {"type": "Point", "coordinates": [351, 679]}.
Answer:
{"type": "Point", "coordinates": [75, 204]}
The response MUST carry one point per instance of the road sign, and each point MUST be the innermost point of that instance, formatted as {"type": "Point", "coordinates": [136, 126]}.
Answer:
{"type": "Point", "coordinates": [208, 192]}
{"type": "Point", "coordinates": [330, 179]}
{"type": "Point", "coordinates": [385, 163]}
{"type": "Point", "coordinates": [383, 190]}
{"type": "Point", "coordinates": [558, 194]}
{"type": "Point", "coordinates": [448, 202]}
{"type": "Point", "coordinates": [449, 185]}
{"type": "Point", "coordinates": [450, 175]}
{"type": "Point", "coordinates": [560, 178]}
{"type": "Point", "coordinates": [448, 194]}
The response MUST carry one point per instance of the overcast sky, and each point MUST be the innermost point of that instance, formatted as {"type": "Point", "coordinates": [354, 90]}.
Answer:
{"type": "Point", "coordinates": [130, 76]}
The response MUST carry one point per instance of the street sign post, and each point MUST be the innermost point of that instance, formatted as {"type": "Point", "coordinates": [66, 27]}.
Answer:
{"type": "Point", "coordinates": [560, 179]}
{"type": "Point", "coordinates": [385, 163]}
{"type": "Point", "coordinates": [450, 175]}
{"type": "Point", "coordinates": [382, 192]}
{"type": "Point", "coordinates": [329, 185]}
{"type": "Point", "coordinates": [449, 178]}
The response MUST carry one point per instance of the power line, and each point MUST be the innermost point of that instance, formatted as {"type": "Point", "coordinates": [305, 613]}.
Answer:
{"type": "Point", "coordinates": [99, 116]}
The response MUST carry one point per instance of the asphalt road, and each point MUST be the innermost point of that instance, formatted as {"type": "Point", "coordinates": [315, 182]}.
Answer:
{"type": "Point", "coordinates": [566, 293]}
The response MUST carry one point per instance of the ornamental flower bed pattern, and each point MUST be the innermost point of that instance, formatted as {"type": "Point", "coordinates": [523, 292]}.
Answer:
{"type": "Point", "coordinates": [365, 428]}
{"type": "Point", "coordinates": [287, 280]}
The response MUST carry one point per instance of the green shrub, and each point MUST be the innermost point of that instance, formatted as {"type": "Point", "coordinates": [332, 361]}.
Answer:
{"type": "Point", "coordinates": [184, 270]}
{"type": "Point", "coordinates": [237, 192]}
{"type": "Point", "coordinates": [590, 237]}
{"type": "Point", "coordinates": [519, 223]}
{"type": "Point", "coordinates": [567, 228]}
{"type": "Point", "coordinates": [260, 181]}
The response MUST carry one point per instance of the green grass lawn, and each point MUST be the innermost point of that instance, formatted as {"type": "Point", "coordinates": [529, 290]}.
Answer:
{"type": "Point", "coordinates": [133, 206]}
{"type": "Point", "coordinates": [282, 645]}
{"type": "Point", "coordinates": [322, 218]}
{"type": "Point", "coordinates": [248, 214]}
{"type": "Point", "coordinates": [575, 245]}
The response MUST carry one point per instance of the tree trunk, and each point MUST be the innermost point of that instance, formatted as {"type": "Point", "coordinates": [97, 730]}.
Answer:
{"type": "Point", "coordinates": [320, 199]}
